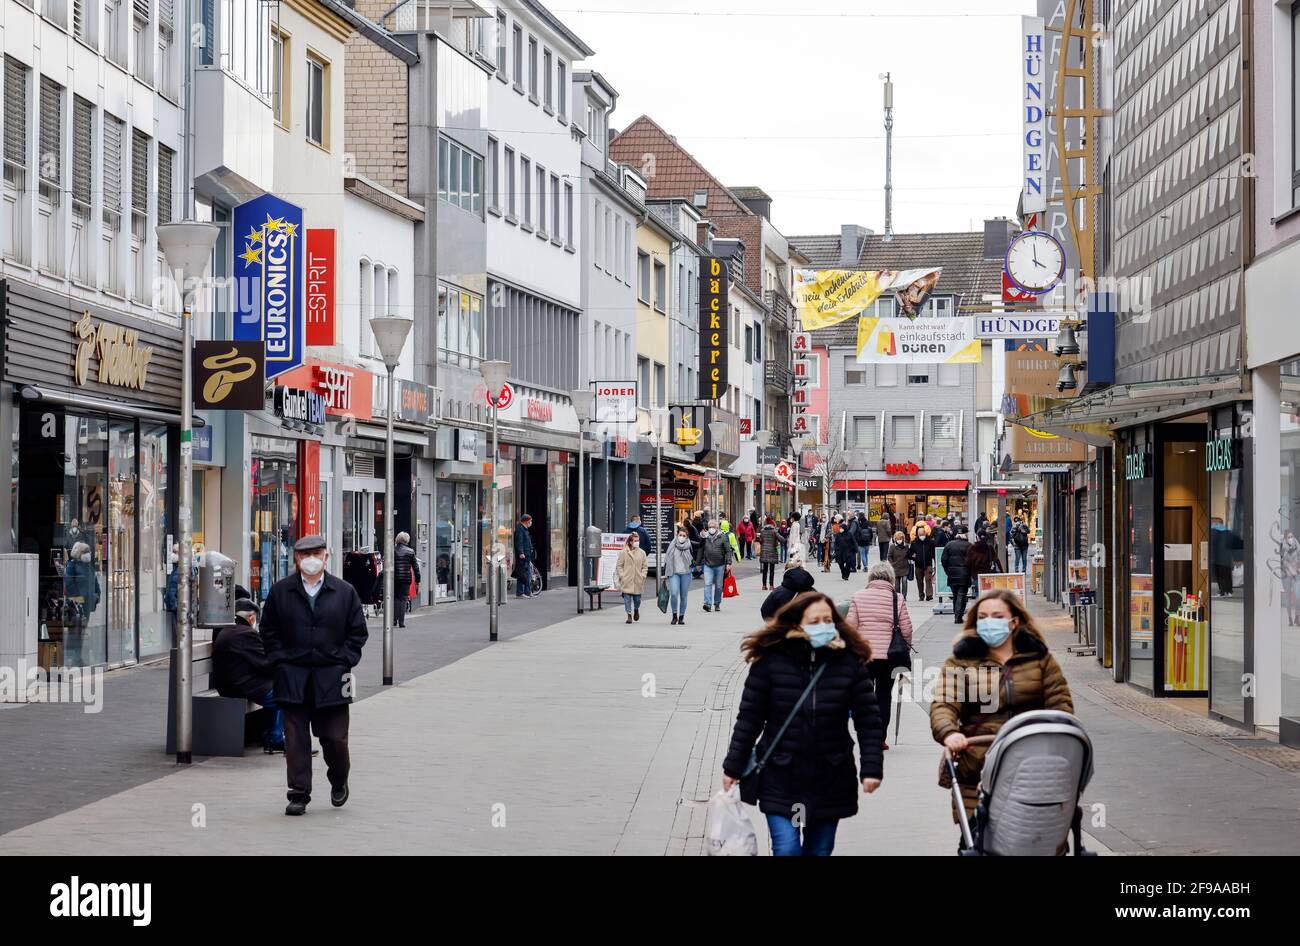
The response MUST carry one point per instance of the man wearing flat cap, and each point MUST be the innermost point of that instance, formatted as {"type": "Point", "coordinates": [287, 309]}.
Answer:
{"type": "Point", "coordinates": [313, 627]}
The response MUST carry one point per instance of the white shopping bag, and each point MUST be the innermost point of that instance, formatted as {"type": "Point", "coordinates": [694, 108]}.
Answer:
{"type": "Point", "coordinates": [728, 831]}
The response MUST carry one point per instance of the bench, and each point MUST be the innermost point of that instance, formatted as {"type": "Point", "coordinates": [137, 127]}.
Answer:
{"type": "Point", "coordinates": [594, 600]}
{"type": "Point", "coordinates": [221, 723]}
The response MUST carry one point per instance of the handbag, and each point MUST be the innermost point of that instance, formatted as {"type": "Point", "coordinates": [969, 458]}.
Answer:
{"type": "Point", "coordinates": [729, 589]}
{"type": "Point", "coordinates": [662, 599]}
{"type": "Point", "coordinates": [749, 778]}
{"type": "Point", "coordinates": [900, 652]}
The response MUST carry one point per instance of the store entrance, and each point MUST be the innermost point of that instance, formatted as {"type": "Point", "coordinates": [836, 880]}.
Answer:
{"type": "Point", "coordinates": [456, 542]}
{"type": "Point", "coordinates": [533, 500]}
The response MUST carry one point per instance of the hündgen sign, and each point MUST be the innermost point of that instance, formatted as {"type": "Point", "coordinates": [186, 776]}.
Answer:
{"type": "Point", "coordinates": [715, 287]}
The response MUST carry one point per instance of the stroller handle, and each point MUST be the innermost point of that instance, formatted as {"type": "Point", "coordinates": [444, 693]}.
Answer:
{"type": "Point", "coordinates": [968, 841]}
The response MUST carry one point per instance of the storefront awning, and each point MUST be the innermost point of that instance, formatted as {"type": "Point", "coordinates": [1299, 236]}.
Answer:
{"type": "Point", "coordinates": [1091, 418]}
{"type": "Point", "coordinates": [905, 486]}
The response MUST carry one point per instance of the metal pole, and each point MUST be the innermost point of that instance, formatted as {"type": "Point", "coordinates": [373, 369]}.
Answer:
{"type": "Point", "coordinates": [717, 482]}
{"type": "Point", "coordinates": [889, 159]}
{"type": "Point", "coordinates": [390, 549]}
{"type": "Point", "coordinates": [580, 527]}
{"type": "Point", "coordinates": [660, 580]}
{"type": "Point", "coordinates": [494, 592]}
{"type": "Point", "coordinates": [185, 630]}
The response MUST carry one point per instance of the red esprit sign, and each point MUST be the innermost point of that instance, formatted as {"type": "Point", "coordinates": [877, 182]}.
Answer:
{"type": "Point", "coordinates": [348, 391]}
{"type": "Point", "coordinates": [902, 469]}
{"type": "Point", "coordinates": [318, 276]}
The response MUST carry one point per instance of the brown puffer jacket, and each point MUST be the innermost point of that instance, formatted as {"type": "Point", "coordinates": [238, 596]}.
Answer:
{"type": "Point", "coordinates": [975, 695]}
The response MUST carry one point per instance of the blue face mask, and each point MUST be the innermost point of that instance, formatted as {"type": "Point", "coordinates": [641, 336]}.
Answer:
{"type": "Point", "coordinates": [993, 631]}
{"type": "Point", "coordinates": [820, 634]}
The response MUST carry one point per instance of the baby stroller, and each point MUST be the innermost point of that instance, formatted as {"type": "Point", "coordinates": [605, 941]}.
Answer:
{"type": "Point", "coordinates": [1034, 773]}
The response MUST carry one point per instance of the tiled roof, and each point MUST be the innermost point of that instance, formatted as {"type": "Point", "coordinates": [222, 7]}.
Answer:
{"type": "Point", "coordinates": [750, 193]}
{"type": "Point", "coordinates": [676, 172]}
{"type": "Point", "coordinates": [966, 273]}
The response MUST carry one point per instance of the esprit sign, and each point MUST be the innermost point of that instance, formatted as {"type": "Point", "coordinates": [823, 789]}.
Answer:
{"type": "Point", "coordinates": [319, 292]}
{"type": "Point", "coordinates": [715, 287]}
{"type": "Point", "coordinates": [902, 469]}
{"type": "Point", "coordinates": [123, 361]}
{"type": "Point", "coordinates": [269, 298]}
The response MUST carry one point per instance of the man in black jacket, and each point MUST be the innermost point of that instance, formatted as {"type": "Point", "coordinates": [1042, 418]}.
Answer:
{"type": "Point", "coordinates": [404, 567]}
{"type": "Point", "coordinates": [241, 671]}
{"type": "Point", "coordinates": [954, 566]}
{"type": "Point", "coordinates": [524, 555]}
{"type": "Point", "coordinates": [313, 628]}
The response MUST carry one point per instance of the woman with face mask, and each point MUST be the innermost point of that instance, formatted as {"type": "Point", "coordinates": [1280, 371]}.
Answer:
{"type": "Point", "coordinates": [678, 561]}
{"type": "Point", "coordinates": [629, 576]}
{"type": "Point", "coordinates": [1000, 667]}
{"type": "Point", "coordinates": [791, 748]}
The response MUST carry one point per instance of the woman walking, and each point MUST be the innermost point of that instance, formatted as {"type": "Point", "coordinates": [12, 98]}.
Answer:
{"type": "Point", "coordinates": [769, 553]}
{"type": "Point", "coordinates": [923, 552]}
{"type": "Point", "coordinates": [872, 613]}
{"type": "Point", "coordinates": [982, 559]}
{"type": "Point", "coordinates": [807, 671]}
{"type": "Point", "coordinates": [629, 576]}
{"type": "Point", "coordinates": [794, 582]}
{"type": "Point", "coordinates": [900, 556]}
{"type": "Point", "coordinates": [999, 667]}
{"type": "Point", "coordinates": [846, 550]}
{"type": "Point", "coordinates": [678, 562]}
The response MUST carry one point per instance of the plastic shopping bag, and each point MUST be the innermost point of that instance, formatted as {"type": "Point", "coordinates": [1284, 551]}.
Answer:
{"type": "Point", "coordinates": [728, 831]}
{"type": "Point", "coordinates": [729, 589]}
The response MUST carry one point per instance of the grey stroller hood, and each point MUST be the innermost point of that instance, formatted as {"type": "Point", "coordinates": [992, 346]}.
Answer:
{"type": "Point", "coordinates": [1033, 776]}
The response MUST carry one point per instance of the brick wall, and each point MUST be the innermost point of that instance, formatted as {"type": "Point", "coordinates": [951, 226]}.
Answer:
{"type": "Point", "coordinates": [375, 102]}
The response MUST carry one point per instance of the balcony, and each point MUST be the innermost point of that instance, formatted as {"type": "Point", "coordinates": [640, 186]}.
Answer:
{"type": "Point", "coordinates": [233, 157]}
{"type": "Point", "coordinates": [782, 309]}
{"type": "Point", "coordinates": [778, 377]}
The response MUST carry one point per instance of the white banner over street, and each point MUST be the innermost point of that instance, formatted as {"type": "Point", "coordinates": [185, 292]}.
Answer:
{"type": "Point", "coordinates": [923, 341]}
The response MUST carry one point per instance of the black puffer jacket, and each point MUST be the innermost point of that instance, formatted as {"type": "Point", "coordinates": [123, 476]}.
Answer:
{"type": "Point", "coordinates": [795, 582]}
{"type": "Point", "coordinates": [846, 546]}
{"type": "Point", "coordinates": [954, 562]}
{"type": "Point", "coordinates": [404, 564]}
{"type": "Point", "coordinates": [812, 765]}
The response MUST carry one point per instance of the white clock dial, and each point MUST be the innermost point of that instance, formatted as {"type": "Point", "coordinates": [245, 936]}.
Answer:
{"type": "Point", "coordinates": [1035, 261]}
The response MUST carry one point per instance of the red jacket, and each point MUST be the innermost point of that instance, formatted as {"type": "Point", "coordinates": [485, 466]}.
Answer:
{"type": "Point", "coordinates": [872, 613]}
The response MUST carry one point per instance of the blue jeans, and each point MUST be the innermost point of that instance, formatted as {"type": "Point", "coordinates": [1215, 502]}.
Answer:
{"type": "Point", "coordinates": [818, 837]}
{"type": "Point", "coordinates": [713, 584]}
{"type": "Point", "coordinates": [631, 603]}
{"type": "Point", "coordinates": [1021, 555]}
{"type": "Point", "coordinates": [679, 586]}
{"type": "Point", "coordinates": [864, 552]}
{"type": "Point", "coordinates": [274, 733]}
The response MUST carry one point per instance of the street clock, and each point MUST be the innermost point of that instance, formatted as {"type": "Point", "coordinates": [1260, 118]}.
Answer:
{"type": "Point", "coordinates": [1035, 262]}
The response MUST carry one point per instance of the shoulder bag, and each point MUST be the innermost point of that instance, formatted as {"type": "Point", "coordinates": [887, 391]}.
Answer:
{"type": "Point", "coordinates": [900, 652]}
{"type": "Point", "coordinates": [749, 779]}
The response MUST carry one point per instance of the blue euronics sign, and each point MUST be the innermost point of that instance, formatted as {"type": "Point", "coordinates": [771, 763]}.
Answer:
{"type": "Point", "coordinates": [268, 240]}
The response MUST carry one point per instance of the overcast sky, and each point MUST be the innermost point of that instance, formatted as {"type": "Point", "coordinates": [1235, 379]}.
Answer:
{"type": "Point", "coordinates": [786, 96]}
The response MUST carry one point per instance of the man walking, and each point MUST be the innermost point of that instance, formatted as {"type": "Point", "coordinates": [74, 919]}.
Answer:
{"type": "Point", "coordinates": [864, 541]}
{"type": "Point", "coordinates": [884, 534]}
{"type": "Point", "coordinates": [714, 555]}
{"type": "Point", "coordinates": [313, 628]}
{"type": "Point", "coordinates": [955, 567]}
{"type": "Point", "coordinates": [1020, 544]}
{"type": "Point", "coordinates": [524, 555]}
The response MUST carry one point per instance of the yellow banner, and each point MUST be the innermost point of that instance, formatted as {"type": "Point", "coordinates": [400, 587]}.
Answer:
{"type": "Point", "coordinates": [826, 297]}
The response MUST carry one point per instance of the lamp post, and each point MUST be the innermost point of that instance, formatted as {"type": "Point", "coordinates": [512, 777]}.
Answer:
{"type": "Point", "coordinates": [187, 248]}
{"type": "Point", "coordinates": [390, 334]}
{"type": "Point", "coordinates": [657, 441]}
{"type": "Point", "coordinates": [495, 374]}
{"type": "Point", "coordinates": [717, 430]}
{"type": "Point", "coordinates": [582, 401]}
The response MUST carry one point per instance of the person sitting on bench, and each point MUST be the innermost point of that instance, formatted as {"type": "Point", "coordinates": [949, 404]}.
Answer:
{"type": "Point", "coordinates": [240, 669]}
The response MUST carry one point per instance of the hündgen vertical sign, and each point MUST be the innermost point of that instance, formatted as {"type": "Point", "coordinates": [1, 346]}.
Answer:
{"type": "Point", "coordinates": [715, 287]}
{"type": "Point", "coordinates": [1033, 115]}
{"type": "Point", "coordinates": [269, 298]}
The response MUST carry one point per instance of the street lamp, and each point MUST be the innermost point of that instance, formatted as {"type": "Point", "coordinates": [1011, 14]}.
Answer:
{"type": "Point", "coordinates": [187, 248]}
{"type": "Point", "coordinates": [717, 431]}
{"type": "Point", "coordinates": [582, 403]}
{"type": "Point", "coordinates": [390, 335]}
{"type": "Point", "coordinates": [495, 374]}
{"type": "Point", "coordinates": [657, 416]}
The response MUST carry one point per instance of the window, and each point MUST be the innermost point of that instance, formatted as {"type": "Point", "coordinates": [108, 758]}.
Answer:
{"type": "Point", "coordinates": [83, 122]}
{"type": "Point", "coordinates": [904, 431]}
{"type": "Point", "coordinates": [518, 41]}
{"type": "Point", "coordinates": [316, 101]}
{"type": "Point", "coordinates": [381, 290]}
{"type": "Point", "coordinates": [918, 374]}
{"type": "Point", "coordinates": [15, 114]}
{"type": "Point", "coordinates": [460, 176]}
{"type": "Point", "coordinates": [865, 436]}
{"type": "Point", "coordinates": [532, 68]}
{"type": "Point", "coordinates": [110, 32]}
{"type": "Point", "coordinates": [853, 372]}
{"type": "Point", "coordinates": [526, 174]}
{"type": "Point", "coordinates": [50, 165]}
{"type": "Point", "coordinates": [166, 183]}
{"type": "Point", "coordinates": [365, 306]}
{"type": "Point", "coordinates": [568, 215]}
{"type": "Point", "coordinates": [643, 276]}
{"type": "Point", "coordinates": [541, 201]}
{"type": "Point", "coordinates": [758, 341]}
{"type": "Point", "coordinates": [681, 288]}
{"type": "Point", "coordinates": [661, 287]}
{"type": "Point", "coordinates": [749, 343]}
{"type": "Point", "coordinates": [625, 261]}
{"type": "Point", "coordinates": [943, 430]}
{"type": "Point", "coordinates": [510, 181]}
{"type": "Point", "coordinates": [555, 209]}
{"type": "Point", "coordinates": [661, 380]}
{"type": "Point", "coordinates": [494, 194]}
{"type": "Point", "coordinates": [166, 27]}
{"type": "Point", "coordinates": [949, 376]}
{"type": "Point", "coordinates": [501, 43]}
{"type": "Point", "coordinates": [140, 31]}
{"type": "Point", "coordinates": [113, 132]}
{"type": "Point", "coordinates": [548, 78]}
{"type": "Point", "coordinates": [886, 376]}
{"type": "Point", "coordinates": [278, 84]}
{"type": "Point", "coordinates": [643, 386]}
{"type": "Point", "coordinates": [562, 92]}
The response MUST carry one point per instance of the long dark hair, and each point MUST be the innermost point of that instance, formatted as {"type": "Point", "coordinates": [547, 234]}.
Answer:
{"type": "Point", "coordinates": [1014, 605]}
{"type": "Point", "coordinates": [790, 618]}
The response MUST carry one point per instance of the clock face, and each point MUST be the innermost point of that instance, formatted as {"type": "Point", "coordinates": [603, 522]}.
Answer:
{"type": "Point", "coordinates": [1035, 261]}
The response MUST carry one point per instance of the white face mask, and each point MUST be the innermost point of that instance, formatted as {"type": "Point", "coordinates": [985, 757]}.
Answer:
{"type": "Point", "coordinates": [173, 558]}
{"type": "Point", "coordinates": [85, 557]}
{"type": "Point", "coordinates": [312, 565]}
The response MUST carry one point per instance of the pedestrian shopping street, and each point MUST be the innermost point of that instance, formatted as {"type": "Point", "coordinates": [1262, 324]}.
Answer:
{"type": "Point", "coordinates": [583, 735]}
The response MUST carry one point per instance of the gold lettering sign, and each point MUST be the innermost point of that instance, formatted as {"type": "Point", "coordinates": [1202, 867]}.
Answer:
{"type": "Point", "coordinates": [122, 360]}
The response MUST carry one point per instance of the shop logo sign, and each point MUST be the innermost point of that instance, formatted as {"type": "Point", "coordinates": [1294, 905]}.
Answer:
{"type": "Point", "coordinates": [1222, 455]}
{"type": "Point", "coordinates": [902, 469]}
{"type": "Point", "coordinates": [269, 306]}
{"type": "Point", "coordinates": [1137, 466]}
{"type": "Point", "coordinates": [228, 376]}
{"type": "Point", "coordinates": [715, 286]}
{"type": "Point", "coordinates": [304, 407]}
{"type": "Point", "coordinates": [122, 360]}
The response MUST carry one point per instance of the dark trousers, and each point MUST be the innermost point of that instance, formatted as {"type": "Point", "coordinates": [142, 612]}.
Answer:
{"type": "Point", "coordinates": [330, 724]}
{"type": "Point", "coordinates": [1223, 577]}
{"type": "Point", "coordinates": [846, 567]}
{"type": "Point", "coordinates": [880, 675]}
{"type": "Point", "coordinates": [399, 610]}
{"type": "Point", "coordinates": [884, 551]}
{"type": "Point", "coordinates": [769, 573]}
{"type": "Point", "coordinates": [959, 593]}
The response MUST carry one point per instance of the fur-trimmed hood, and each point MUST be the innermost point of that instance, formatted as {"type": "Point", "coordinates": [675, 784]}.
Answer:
{"type": "Point", "coordinates": [968, 645]}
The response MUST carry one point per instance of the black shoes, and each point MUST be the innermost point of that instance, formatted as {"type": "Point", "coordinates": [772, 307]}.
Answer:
{"type": "Point", "coordinates": [707, 608]}
{"type": "Point", "coordinates": [636, 615]}
{"type": "Point", "coordinates": [674, 620]}
{"type": "Point", "coordinates": [681, 619]}
{"type": "Point", "coordinates": [296, 808]}
{"type": "Point", "coordinates": [339, 796]}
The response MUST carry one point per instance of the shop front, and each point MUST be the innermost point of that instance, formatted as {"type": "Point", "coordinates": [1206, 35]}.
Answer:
{"type": "Point", "coordinates": [92, 412]}
{"type": "Point", "coordinates": [912, 500]}
{"type": "Point", "coordinates": [1187, 578]}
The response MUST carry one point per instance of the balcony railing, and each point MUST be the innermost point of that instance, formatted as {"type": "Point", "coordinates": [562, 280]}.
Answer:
{"type": "Point", "coordinates": [778, 376]}
{"type": "Point", "coordinates": [782, 308]}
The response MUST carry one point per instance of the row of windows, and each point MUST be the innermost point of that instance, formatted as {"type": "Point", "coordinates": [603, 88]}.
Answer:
{"type": "Point", "coordinates": [460, 176]}
{"type": "Point", "coordinates": [378, 289]}
{"type": "Point", "coordinates": [529, 195]}
{"type": "Point", "coordinates": [643, 284]}
{"type": "Point", "coordinates": [460, 327]}
{"type": "Point", "coordinates": [865, 431]}
{"type": "Point", "coordinates": [316, 116]}
{"type": "Point", "coordinates": [648, 396]}
{"type": "Point", "coordinates": [538, 337]}
{"type": "Point", "coordinates": [554, 72]}
{"type": "Point", "coordinates": [108, 28]}
{"type": "Point", "coordinates": [888, 376]}
{"type": "Point", "coordinates": [612, 243]}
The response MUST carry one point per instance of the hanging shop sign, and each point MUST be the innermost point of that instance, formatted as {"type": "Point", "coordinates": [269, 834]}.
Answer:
{"type": "Point", "coordinates": [926, 341]}
{"type": "Point", "coordinates": [615, 402]}
{"type": "Point", "coordinates": [269, 276]}
{"type": "Point", "coordinates": [715, 287]}
{"type": "Point", "coordinates": [300, 407]}
{"type": "Point", "coordinates": [746, 426]}
{"type": "Point", "coordinates": [1033, 115]}
{"type": "Point", "coordinates": [1029, 445]}
{"type": "Point", "coordinates": [806, 425]}
{"type": "Point", "coordinates": [1139, 465]}
{"type": "Point", "coordinates": [229, 376]}
{"type": "Point", "coordinates": [784, 471]}
{"type": "Point", "coordinates": [1222, 454]}
{"type": "Point", "coordinates": [318, 272]}
{"type": "Point", "coordinates": [348, 391]}
{"type": "Point", "coordinates": [826, 297]}
{"type": "Point", "coordinates": [123, 361]}
{"type": "Point", "coordinates": [416, 403]}
{"type": "Point", "coordinates": [801, 344]}
{"type": "Point", "coordinates": [1044, 325]}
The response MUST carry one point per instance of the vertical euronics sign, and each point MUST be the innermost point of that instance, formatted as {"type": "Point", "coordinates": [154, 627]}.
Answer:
{"type": "Point", "coordinates": [269, 297]}
{"type": "Point", "coordinates": [1033, 115]}
{"type": "Point", "coordinates": [715, 287]}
